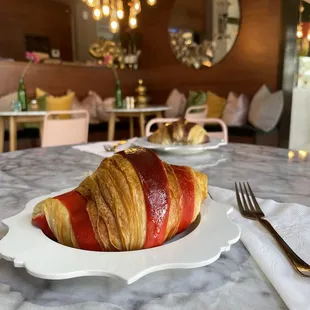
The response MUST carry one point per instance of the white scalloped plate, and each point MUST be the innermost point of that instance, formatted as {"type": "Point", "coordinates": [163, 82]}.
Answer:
{"type": "Point", "coordinates": [180, 149]}
{"type": "Point", "coordinates": [212, 233]}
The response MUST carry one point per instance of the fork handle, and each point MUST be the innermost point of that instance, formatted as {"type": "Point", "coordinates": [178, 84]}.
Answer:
{"type": "Point", "coordinates": [292, 256]}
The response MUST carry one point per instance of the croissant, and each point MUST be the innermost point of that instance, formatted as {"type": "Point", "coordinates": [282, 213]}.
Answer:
{"type": "Point", "coordinates": [132, 201]}
{"type": "Point", "coordinates": [180, 132]}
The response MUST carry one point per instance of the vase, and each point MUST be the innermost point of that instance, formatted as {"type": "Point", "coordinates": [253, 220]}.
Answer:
{"type": "Point", "coordinates": [118, 95]}
{"type": "Point", "coordinates": [22, 96]}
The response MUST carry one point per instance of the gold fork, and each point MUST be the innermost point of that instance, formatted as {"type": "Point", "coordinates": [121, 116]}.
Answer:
{"type": "Point", "coordinates": [250, 209]}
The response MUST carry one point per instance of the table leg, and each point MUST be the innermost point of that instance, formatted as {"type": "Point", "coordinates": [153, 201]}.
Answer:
{"type": "Point", "coordinates": [111, 129]}
{"type": "Point", "coordinates": [142, 124]}
{"type": "Point", "coordinates": [41, 124]}
{"type": "Point", "coordinates": [131, 127]}
{"type": "Point", "coordinates": [13, 134]}
{"type": "Point", "coordinates": [159, 115]}
{"type": "Point", "coordinates": [1, 134]}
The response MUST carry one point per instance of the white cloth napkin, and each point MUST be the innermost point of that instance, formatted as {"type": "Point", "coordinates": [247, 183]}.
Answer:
{"type": "Point", "coordinates": [292, 222]}
{"type": "Point", "coordinates": [97, 148]}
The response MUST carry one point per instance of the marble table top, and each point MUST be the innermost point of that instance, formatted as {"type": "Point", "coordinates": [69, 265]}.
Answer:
{"type": "Point", "coordinates": [234, 281]}
{"type": "Point", "coordinates": [23, 113]}
{"type": "Point", "coordinates": [141, 110]}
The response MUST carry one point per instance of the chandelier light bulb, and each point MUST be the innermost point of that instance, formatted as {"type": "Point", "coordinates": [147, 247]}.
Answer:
{"type": "Point", "coordinates": [97, 14]}
{"type": "Point", "coordinates": [133, 22]}
{"type": "Point", "coordinates": [91, 3]}
{"type": "Point", "coordinates": [137, 6]}
{"type": "Point", "coordinates": [106, 8]}
{"type": "Point", "coordinates": [308, 35]}
{"type": "Point", "coordinates": [114, 26]}
{"type": "Point", "coordinates": [151, 2]}
{"type": "Point", "coordinates": [120, 14]}
{"type": "Point", "coordinates": [301, 8]}
{"type": "Point", "coordinates": [120, 9]}
{"type": "Point", "coordinates": [299, 32]}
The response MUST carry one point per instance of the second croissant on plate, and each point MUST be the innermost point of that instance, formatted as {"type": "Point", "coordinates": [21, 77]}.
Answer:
{"type": "Point", "coordinates": [132, 201]}
{"type": "Point", "coordinates": [180, 132]}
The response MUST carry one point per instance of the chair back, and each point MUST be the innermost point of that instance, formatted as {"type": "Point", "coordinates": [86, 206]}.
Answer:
{"type": "Point", "coordinates": [196, 112]}
{"type": "Point", "coordinates": [223, 134]}
{"type": "Point", "coordinates": [58, 130]}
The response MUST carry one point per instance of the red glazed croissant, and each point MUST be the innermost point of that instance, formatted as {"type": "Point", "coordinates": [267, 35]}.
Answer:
{"type": "Point", "coordinates": [132, 201]}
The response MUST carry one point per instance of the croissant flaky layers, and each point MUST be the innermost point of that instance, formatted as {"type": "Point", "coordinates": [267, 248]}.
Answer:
{"type": "Point", "coordinates": [132, 201]}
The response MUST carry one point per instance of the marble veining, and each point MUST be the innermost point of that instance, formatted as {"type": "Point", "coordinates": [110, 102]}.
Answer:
{"type": "Point", "coordinates": [232, 282]}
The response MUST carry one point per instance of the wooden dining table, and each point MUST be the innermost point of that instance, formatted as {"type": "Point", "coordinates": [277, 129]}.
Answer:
{"type": "Point", "coordinates": [15, 118]}
{"type": "Point", "coordinates": [140, 113]}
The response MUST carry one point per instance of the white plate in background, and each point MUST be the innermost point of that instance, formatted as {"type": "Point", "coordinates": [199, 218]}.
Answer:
{"type": "Point", "coordinates": [180, 149]}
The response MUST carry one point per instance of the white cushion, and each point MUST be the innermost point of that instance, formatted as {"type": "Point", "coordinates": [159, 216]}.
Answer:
{"type": "Point", "coordinates": [107, 103]}
{"type": "Point", "coordinates": [266, 109]}
{"type": "Point", "coordinates": [90, 104]}
{"type": "Point", "coordinates": [236, 110]}
{"type": "Point", "coordinates": [6, 102]}
{"type": "Point", "coordinates": [177, 102]}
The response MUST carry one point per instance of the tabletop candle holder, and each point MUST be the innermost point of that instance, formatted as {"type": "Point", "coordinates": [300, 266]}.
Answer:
{"type": "Point", "coordinates": [141, 98]}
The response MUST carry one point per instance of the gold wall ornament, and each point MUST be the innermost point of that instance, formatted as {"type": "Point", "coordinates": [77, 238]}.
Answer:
{"type": "Point", "coordinates": [103, 48]}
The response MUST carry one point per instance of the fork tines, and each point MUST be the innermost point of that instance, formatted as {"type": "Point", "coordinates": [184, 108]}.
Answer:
{"type": "Point", "coordinates": [246, 199]}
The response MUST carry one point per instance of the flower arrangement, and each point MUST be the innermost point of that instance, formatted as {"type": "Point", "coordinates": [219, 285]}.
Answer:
{"type": "Point", "coordinates": [108, 63]}
{"type": "Point", "coordinates": [32, 58]}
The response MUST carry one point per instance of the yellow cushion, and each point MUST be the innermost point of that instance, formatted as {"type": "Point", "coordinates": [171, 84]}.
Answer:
{"type": "Point", "coordinates": [40, 93]}
{"type": "Point", "coordinates": [63, 103]}
{"type": "Point", "coordinates": [59, 103]}
{"type": "Point", "coordinates": [216, 105]}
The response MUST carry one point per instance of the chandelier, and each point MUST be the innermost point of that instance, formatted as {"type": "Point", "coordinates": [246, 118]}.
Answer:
{"type": "Point", "coordinates": [114, 10]}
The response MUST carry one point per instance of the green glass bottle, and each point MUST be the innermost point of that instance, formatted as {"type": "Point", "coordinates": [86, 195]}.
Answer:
{"type": "Point", "coordinates": [118, 95]}
{"type": "Point", "coordinates": [22, 96]}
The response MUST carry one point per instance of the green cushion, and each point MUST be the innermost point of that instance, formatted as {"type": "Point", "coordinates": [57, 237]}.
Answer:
{"type": "Point", "coordinates": [42, 102]}
{"type": "Point", "coordinates": [196, 98]}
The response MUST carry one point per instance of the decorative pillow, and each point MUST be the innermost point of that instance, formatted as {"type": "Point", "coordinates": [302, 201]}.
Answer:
{"type": "Point", "coordinates": [196, 98]}
{"type": "Point", "coordinates": [41, 98]}
{"type": "Point", "coordinates": [40, 93]}
{"type": "Point", "coordinates": [266, 109]}
{"type": "Point", "coordinates": [216, 105]}
{"type": "Point", "coordinates": [176, 101]}
{"type": "Point", "coordinates": [6, 102]}
{"type": "Point", "coordinates": [59, 103]}
{"type": "Point", "coordinates": [262, 94]}
{"type": "Point", "coordinates": [107, 103]}
{"type": "Point", "coordinates": [90, 104]}
{"type": "Point", "coordinates": [76, 103]}
{"type": "Point", "coordinates": [236, 110]}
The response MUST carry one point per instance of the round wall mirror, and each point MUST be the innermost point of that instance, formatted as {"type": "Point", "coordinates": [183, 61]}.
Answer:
{"type": "Point", "coordinates": [202, 32]}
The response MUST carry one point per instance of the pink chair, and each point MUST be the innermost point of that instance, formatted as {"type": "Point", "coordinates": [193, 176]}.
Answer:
{"type": "Point", "coordinates": [72, 128]}
{"type": "Point", "coordinates": [191, 113]}
{"type": "Point", "coordinates": [223, 134]}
